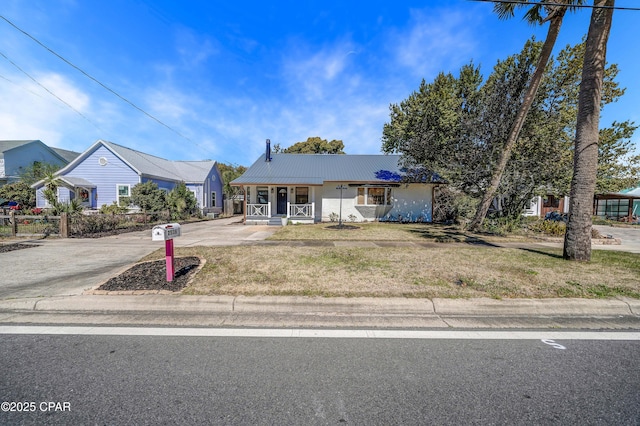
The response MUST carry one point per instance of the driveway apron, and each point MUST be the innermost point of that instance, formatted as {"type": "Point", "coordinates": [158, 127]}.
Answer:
{"type": "Point", "coordinates": [59, 267]}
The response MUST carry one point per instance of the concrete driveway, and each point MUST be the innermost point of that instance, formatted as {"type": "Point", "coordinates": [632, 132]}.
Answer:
{"type": "Point", "coordinates": [57, 267]}
{"type": "Point", "coordinates": [629, 238]}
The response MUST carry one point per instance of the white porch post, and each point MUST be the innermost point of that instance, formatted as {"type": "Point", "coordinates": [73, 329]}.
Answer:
{"type": "Point", "coordinates": [313, 203]}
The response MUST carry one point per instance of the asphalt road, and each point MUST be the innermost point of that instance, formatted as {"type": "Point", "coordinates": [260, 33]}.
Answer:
{"type": "Point", "coordinates": [140, 380]}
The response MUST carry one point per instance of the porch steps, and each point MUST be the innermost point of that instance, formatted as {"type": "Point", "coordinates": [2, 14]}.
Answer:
{"type": "Point", "coordinates": [275, 221]}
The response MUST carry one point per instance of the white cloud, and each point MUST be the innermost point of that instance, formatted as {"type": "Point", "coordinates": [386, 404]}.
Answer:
{"type": "Point", "coordinates": [34, 113]}
{"type": "Point", "coordinates": [315, 74]}
{"type": "Point", "coordinates": [434, 40]}
{"type": "Point", "coordinates": [194, 50]}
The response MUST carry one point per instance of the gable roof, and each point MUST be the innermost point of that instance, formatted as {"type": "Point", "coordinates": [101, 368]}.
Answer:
{"type": "Point", "coordinates": [9, 145]}
{"type": "Point", "coordinates": [68, 155]}
{"type": "Point", "coordinates": [314, 169]}
{"type": "Point", "coordinates": [149, 165]}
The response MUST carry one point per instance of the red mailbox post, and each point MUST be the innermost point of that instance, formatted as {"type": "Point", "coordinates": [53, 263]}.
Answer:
{"type": "Point", "coordinates": [167, 233]}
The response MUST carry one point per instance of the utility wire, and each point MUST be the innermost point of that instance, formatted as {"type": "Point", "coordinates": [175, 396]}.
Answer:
{"type": "Point", "coordinates": [544, 3]}
{"type": "Point", "coordinates": [18, 85]}
{"type": "Point", "coordinates": [49, 91]}
{"type": "Point", "coordinates": [94, 79]}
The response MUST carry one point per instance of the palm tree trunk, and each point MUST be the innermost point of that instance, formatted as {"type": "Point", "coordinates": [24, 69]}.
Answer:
{"type": "Point", "coordinates": [545, 54]}
{"type": "Point", "coordinates": [577, 239]}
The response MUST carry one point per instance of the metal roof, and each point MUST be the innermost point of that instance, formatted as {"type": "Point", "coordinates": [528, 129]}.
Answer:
{"type": "Point", "coordinates": [314, 169]}
{"type": "Point", "coordinates": [76, 181]}
{"type": "Point", "coordinates": [150, 165]}
{"type": "Point", "coordinates": [67, 154]}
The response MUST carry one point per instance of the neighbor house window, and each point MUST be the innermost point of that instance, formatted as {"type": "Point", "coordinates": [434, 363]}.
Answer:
{"type": "Point", "coordinates": [263, 195]}
{"type": "Point", "coordinates": [551, 201]}
{"type": "Point", "coordinates": [374, 196]}
{"type": "Point", "coordinates": [213, 199]}
{"type": "Point", "coordinates": [123, 191]}
{"type": "Point", "coordinates": [302, 195]}
{"type": "Point", "coordinates": [83, 194]}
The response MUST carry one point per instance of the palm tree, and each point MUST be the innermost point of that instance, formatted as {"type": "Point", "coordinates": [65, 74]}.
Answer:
{"type": "Point", "coordinates": [577, 239]}
{"type": "Point", "coordinates": [540, 13]}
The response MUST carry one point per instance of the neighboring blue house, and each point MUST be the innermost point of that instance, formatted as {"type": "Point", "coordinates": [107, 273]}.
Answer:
{"type": "Point", "coordinates": [106, 172]}
{"type": "Point", "coordinates": [17, 156]}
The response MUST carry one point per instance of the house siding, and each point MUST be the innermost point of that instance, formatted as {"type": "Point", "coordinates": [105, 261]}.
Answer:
{"type": "Point", "coordinates": [412, 202]}
{"type": "Point", "coordinates": [106, 177]}
{"type": "Point", "coordinates": [18, 159]}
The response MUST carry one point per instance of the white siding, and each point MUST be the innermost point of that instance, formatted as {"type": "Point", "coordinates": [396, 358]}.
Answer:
{"type": "Point", "coordinates": [412, 202]}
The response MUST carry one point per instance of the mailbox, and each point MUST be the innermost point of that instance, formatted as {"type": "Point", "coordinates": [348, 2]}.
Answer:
{"type": "Point", "coordinates": [165, 232]}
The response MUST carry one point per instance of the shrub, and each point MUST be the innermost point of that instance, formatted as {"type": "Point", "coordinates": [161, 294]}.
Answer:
{"type": "Point", "coordinates": [548, 227]}
{"type": "Point", "coordinates": [113, 209]}
{"type": "Point", "coordinates": [502, 225]}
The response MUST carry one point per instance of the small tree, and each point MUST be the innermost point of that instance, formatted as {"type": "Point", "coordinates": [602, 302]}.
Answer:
{"type": "Point", "coordinates": [148, 197]}
{"type": "Point", "coordinates": [19, 192]}
{"type": "Point", "coordinates": [314, 145]}
{"type": "Point", "coordinates": [181, 202]}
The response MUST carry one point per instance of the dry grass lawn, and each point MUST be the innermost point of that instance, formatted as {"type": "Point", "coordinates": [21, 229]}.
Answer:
{"type": "Point", "coordinates": [376, 231]}
{"type": "Point", "coordinates": [447, 270]}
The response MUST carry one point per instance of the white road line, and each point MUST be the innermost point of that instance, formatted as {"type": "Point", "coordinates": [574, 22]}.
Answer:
{"type": "Point", "coordinates": [312, 333]}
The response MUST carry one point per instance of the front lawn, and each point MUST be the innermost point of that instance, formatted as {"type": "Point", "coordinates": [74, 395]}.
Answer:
{"type": "Point", "coordinates": [376, 231]}
{"type": "Point", "coordinates": [445, 270]}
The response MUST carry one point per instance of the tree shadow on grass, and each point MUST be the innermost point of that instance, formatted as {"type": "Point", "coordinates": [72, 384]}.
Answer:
{"type": "Point", "coordinates": [450, 235]}
{"type": "Point", "coordinates": [544, 253]}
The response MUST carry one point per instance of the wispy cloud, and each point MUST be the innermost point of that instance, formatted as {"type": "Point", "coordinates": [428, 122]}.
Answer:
{"type": "Point", "coordinates": [194, 49]}
{"type": "Point", "coordinates": [313, 73]}
{"type": "Point", "coordinates": [434, 40]}
{"type": "Point", "coordinates": [34, 113]}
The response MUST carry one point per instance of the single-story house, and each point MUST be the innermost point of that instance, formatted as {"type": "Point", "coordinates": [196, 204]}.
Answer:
{"type": "Point", "coordinates": [17, 156]}
{"type": "Point", "coordinates": [623, 205]}
{"type": "Point", "coordinates": [106, 172]}
{"type": "Point", "coordinates": [541, 205]}
{"type": "Point", "coordinates": [309, 188]}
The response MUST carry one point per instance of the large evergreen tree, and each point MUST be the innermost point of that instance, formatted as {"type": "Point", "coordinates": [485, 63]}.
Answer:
{"type": "Point", "coordinates": [540, 13]}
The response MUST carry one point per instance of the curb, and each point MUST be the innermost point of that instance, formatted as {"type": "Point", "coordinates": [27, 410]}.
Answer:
{"type": "Point", "coordinates": [155, 303]}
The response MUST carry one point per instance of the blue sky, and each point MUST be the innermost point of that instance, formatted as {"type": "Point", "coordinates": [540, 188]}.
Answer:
{"type": "Point", "coordinates": [228, 75]}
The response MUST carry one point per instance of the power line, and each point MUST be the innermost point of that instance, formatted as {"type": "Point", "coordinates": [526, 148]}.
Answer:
{"type": "Point", "coordinates": [544, 3]}
{"type": "Point", "coordinates": [94, 79]}
{"type": "Point", "coordinates": [49, 91]}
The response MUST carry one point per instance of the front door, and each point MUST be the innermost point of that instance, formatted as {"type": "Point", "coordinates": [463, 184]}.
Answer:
{"type": "Point", "coordinates": [282, 201]}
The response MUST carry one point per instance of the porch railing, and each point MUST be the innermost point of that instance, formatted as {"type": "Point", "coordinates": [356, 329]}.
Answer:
{"type": "Point", "coordinates": [300, 210]}
{"type": "Point", "coordinates": [258, 210]}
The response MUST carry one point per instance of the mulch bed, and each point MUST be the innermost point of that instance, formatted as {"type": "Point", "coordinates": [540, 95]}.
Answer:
{"type": "Point", "coordinates": [340, 227]}
{"type": "Point", "coordinates": [11, 247]}
{"type": "Point", "coordinates": [153, 276]}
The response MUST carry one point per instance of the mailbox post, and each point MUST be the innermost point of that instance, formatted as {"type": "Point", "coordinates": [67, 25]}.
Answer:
{"type": "Point", "coordinates": [167, 233]}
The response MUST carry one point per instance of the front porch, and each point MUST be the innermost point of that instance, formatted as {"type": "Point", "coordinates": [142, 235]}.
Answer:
{"type": "Point", "coordinates": [279, 204]}
{"type": "Point", "coordinates": [266, 214]}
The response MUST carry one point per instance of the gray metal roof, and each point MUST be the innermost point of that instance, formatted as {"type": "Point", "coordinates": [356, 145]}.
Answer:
{"type": "Point", "coordinates": [314, 169]}
{"type": "Point", "coordinates": [150, 165]}
{"type": "Point", "coordinates": [76, 181]}
{"type": "Point", "coordinates": [8, 145]}
{"type": "Point", "coordinates": [66, 154]}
